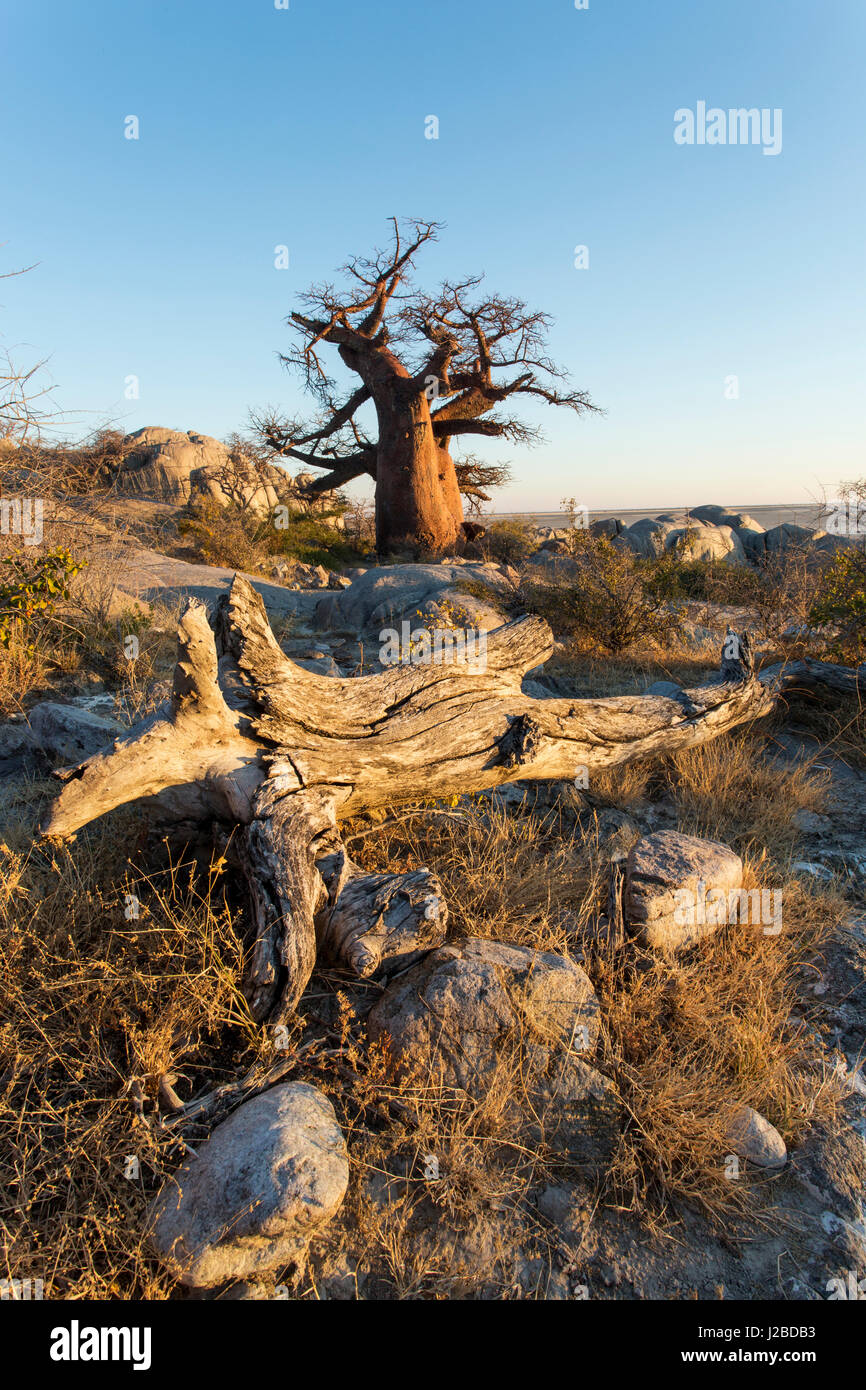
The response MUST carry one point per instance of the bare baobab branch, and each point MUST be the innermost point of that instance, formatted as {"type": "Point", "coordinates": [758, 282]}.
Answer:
{"type": "Point", "coordinates": [432, 367]}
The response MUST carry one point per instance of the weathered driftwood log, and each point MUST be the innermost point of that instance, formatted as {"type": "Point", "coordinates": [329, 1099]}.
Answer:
{"type": "Point", "coordinates": [252, 740]}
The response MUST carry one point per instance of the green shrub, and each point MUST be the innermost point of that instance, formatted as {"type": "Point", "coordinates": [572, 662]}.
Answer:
{"type": "Point", "coordinates": [241, 539]}
{"type": "Point", "coordinates": [312, 541]}
{"type": "Point", "coordinates": [709, 581]}
{"type": "Point", "coordinates": [509, 542]}
{"type": "Point", "coordinates": [605, 596]}
{"type": "Point", "coordinates": [31, 586]}
{"type": "Point", "coordinates": [841, 604]}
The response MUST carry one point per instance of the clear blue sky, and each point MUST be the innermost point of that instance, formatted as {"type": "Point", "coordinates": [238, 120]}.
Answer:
{"type": "Point", "coordinates": [305, 127]}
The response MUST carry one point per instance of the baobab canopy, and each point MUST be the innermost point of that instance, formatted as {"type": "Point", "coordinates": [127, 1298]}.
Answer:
{"type": "Point", "coordinates": [435, 368]}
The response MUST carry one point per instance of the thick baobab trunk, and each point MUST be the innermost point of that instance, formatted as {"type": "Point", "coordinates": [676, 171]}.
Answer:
{"type": "Point", "coordinates": [418, 507]}
{"type": "Point", "coordinates": [275, 755]}
{"type": "Point", "coordinates": [450, 487]}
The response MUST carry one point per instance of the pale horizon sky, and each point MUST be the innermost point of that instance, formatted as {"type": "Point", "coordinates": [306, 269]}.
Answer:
{"type": "Point", "coordinates": [304, 127]}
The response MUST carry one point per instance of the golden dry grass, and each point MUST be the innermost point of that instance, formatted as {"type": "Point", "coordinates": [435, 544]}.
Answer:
{"type": "Point", "coordinates": [97, 1008]}
{"type": "Point", "coordinates": [724, 1025]}
{"type": "Point", "coordinates": [93, 1003]}
{"type": "Point", "coordinates": [688, 1040]}
{"type": "Point", "coordinates": [77, 652]}
{"type": "Point", "coordinates": [731, 790]}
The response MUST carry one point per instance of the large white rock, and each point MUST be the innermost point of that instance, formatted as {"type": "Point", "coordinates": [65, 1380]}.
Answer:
{"type": "Point", "coordinates": [789, 534]}
{"type": "Point", "coordinates": [270, 1175]}
{"type": "Point", "coordinates": [467, 998]}
{"type": "Point", "coordinates": [177, 467]}
{"type": "Point", "coordinates": [707, 542]}
{"type": "Point", "coordinates": [647, 537]}
{"type": "Point", "coordinates": [162, 462]}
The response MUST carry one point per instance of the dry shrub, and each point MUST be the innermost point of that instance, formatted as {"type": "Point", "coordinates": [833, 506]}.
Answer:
{"type": "Point", "coordinates": [24, 667]}
{"type": "Point", "coordinates": [510, 878]}
{"type": "Point", "coordinates": [730, 790]}
{"type": "Point", "coordinates": [87, 469]}
{"type": "Point", "coordinates": [605, 599]}
{"type": "Point", "coordinates": [450, 1238]}
{"type": "Point", "coordinates": [838, 722]}
{"type": "Point", "coordinates": [75, 649]}
{"type": "Point", "coordinates": [94, 1003]}
{"type": "Point", "coordinates": [508, 542]}
{"type": "Point", "coordinates": [626, 787]}
{"type": "Point", "coordinates": [693, 1039]}
{"type": "Point", "coordinates": [230, 536]}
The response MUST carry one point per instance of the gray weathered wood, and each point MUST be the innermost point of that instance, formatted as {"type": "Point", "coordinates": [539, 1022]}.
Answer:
{"type": "Point", "coordinates": [252, 739]}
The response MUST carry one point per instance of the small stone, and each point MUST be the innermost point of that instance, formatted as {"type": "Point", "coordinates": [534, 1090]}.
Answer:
{"type": "Point", "coordinates": [755, 1139]}
{"type": "Point", "coordinates": [810, 822]}
{"type": "Point", "coordinates": [556, 1204]}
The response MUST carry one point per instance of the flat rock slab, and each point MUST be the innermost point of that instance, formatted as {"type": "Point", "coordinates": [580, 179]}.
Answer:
{"type": "Point", "coordinates": [667, 871]}
{"type": "Point", "coordinates": [466, 1005]}
{"type": "Point", "coordinates": [388, 594]}
{"type": "Point", "coordinates": [269, 1176]}
{"type": "Point", "coordinates": [146, 574]}
{"type": "Point", "coordinates": [69, 732]}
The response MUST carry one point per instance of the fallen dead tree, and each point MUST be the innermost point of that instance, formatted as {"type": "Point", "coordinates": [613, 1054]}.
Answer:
{"type": "Point", "coordinates": [255, 744]}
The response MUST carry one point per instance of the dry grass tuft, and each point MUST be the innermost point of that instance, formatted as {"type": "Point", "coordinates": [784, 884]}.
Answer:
{"type": "Point", "coordinates": [691, 1040]}
{"type": "Point", "coordinates": [96, 1009]}
{"type": "Point", "coordinates": [687, 1040]}
{"type": "Point", "coordinates": [731, 790]}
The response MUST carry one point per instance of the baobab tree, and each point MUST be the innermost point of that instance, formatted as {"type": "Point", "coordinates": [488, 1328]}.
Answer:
{"type": "Point", "coordinates": [435, 368]}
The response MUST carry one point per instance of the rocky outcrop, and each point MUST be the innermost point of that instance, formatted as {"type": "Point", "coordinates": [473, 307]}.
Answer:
{"type": "Point", "coordinates": [705, 533]}
{"type": "Point", "coordinates": [707, 542]}
{"type": "Point", "coordinates": [790, 536]}
{"type": "Point", "coordinates": [170, 466]}
{"type": "Point", "coordinates": [386, 595]}
{"type": "Point", "coordinates": [699, 540]}
{"type": "Point", "coordinates": [158, 463]}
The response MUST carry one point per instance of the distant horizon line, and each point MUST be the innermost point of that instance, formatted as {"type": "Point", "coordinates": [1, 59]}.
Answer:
{"type": "Point", "coordinates": [678, 507]}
